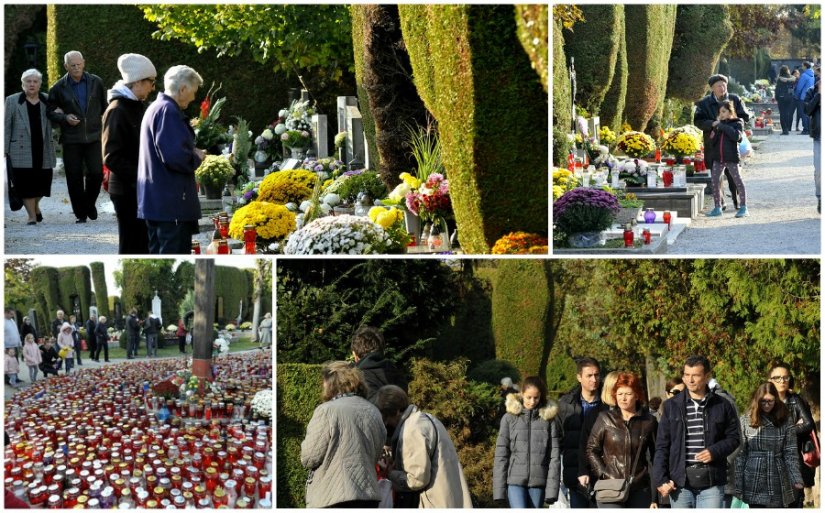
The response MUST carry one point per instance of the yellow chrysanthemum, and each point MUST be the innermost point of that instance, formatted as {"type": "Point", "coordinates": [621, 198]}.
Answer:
{"type": "Point", "coordinates": [410, 180]}
{"type": "Point", "coordinates": [287, 186]}
{"type": "Point", "coordinates": [386, 218]}
{"type": "Point", "coordinates": [271, 221]}
{"type": "Point", "coordinates": [520, 243]}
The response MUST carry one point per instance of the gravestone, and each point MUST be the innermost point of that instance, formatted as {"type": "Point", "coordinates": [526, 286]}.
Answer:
{"type": "Point", "coordinates": [119, 324]}
{"type": "Point", "coordinates": [356, 151]}
{"type": "Point", "coordinates": [343, 103]}
{"type": "Point", "coordinates": [33, 319]}
{"type": "Point", "coordinates": [93, 312]}
{"type": "Point", "coordinates": [320, 137]}
{"type": "Point", "coordinates": [156, 306]}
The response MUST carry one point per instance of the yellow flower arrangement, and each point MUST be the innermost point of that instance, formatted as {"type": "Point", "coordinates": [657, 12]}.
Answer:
{"type": "Point", "coordinates": [563, 181]}
{"type": "Point", "coordinates": [271, 221]}
{"type": "Point", "coordinates": [681, 142]}
{"type": "Point", "coordinates": [607, 136]}
{"type": "Point", "coordinates": [410, 180]}
{"type": "Point", "coordinates": [626, 127]}
{"type": "Point", "coordinates": [385, 218]}
{"type": "Point", "coordinates": [287, 186]}
{"type": "Point", "coordinates": [636, 144]}
{"type": "Point", "coordinates": [521, 243]}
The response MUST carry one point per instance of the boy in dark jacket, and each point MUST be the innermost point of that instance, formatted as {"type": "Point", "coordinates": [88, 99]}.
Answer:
{"type": "Point", "coordinates": [368, 349]}
{"type": "Point", "coordinates": [724, 153]}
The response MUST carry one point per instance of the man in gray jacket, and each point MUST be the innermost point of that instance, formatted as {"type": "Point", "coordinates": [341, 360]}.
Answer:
{"type": "Point", "coordinates": [77, 102]}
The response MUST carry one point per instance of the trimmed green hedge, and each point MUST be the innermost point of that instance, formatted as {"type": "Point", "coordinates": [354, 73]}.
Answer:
{"type": "Point", "coordinates": [595, 46]}
{"type": "Point", "coordinates": [520, 312]}
{"type": "Point", "coordinates": [702, 31]}
{"type": "Point", "coordinates": [358, 13]}
{"type": "Point", "coordinates": [533, 32]}
{"type": "Point", "coordinates": [233, 285]}
{"type": "Point", "coordinates": [476, 79]}
{"type": "Point", "coordinates": [101, 292]}
{"type": "Point", "coordinates": [612, 111]}
{"type": "Point", "coordinates": [649, 38]}
{"type": "Point", "coordinates": [562, 116]}
{"type": "Point", "coordinates": [44, 281]}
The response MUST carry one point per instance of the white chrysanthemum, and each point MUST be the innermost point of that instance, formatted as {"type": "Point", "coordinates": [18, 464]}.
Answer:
{"type": "Point", "coordinates": [344, 234]}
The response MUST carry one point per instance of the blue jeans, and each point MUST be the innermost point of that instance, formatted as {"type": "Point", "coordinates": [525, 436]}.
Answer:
{"type": "Point", "coordinates": [523, 497]}
{"type": "Point", "coordinates": [706, 498]}
{"type": "Point", "coordinates": [578, 500]}
{"type": "Point", "coordinates": [151, 345]}
{"type": "Point", "coordinates": [800, 111]}
{"type": "Point", "coordinates": [170, 237]}
{"type": "Point", "coordinates": [69, 365]}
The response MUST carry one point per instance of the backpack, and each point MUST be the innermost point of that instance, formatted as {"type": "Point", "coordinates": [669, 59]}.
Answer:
{"type": "Point", "coordinates": [784, 90]}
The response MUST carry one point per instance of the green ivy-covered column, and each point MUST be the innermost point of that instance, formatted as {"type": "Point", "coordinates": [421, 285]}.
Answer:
{"type": "Point", "coordinates": [533, 28]}
{"type": "Point", "coordinates": [611, 112]}
{"type": "Point", "coordinates": [101, 291]}
{"type": "Point", "coordinates": [475, 78]}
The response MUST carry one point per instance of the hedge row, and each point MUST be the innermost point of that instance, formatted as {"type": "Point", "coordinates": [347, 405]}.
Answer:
{"type": "Point", "coordinates": [477, 81]}
{"type": "Point", "coordinates": [562, 116]}
{"type": "Point", "coordinates": [611, 113]}
{"type": "Point", "coordinates": [101, 291]}
{"type": "Point", "coordinates": [359, 14]}
{"type": "Point", "coordinates": [533, 32]}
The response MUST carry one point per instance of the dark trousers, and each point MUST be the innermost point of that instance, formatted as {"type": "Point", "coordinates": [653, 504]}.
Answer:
{"type": "Point", "coordinates": [182, 343]}
{"type": "Point", "coordinates": [800, 111]}
{"type": "Point", "coordinates": [734, 192]}
{"type": "Point", "coordinates": [132, 348]}
{"type": "Point", "coordinates": [786, 110]}
{"type": "Point", "coordinates": [133, 239]}
{"type": "Point", "coordinates": [171, 237]}
{"type": "Point", "coordinates": [104, 345]}
{"type": "Point", "coordinates": [92, 348]}
{"type": "Point", "coordinates": [77, 352]}
{"type": "Point", "coordinates": [83, 196]}
{"type": "Point", "coordinates": [636, 499]}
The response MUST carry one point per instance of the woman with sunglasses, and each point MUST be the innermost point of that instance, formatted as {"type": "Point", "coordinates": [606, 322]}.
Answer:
{"type": "Point", "coordinates": [767, 473]}
{"type": "Point", "coordinates": [801, 419]}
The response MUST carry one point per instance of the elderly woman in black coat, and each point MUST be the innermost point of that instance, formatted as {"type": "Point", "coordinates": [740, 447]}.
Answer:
{"type": "Point", "coordinates": [29, 144]}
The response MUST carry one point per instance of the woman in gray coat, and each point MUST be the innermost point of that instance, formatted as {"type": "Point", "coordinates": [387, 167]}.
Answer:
{"type": "Point", "coordinates": [29, 145]}
{"type": "Point", "coordinates": [767, 468]}
{"type": "Point", "coordinates": [527, 465]}
{"type": "Point", "coordinates": [344, 440]}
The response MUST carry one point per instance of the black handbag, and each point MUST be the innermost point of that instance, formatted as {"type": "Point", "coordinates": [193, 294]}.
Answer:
{"type": "Point", "coordinates": [617, 490]}
{"type": "Point", "coordinates": [699, 476]}
{"type": "Point", "coordinates": [15, 202]}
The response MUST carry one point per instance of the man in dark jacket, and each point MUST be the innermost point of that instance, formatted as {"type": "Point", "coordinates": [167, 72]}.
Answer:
{"type": "Point", "coordinates": [121, 145]}
{"type": "Point", "coordinates": [57, 323]}
{"type": "Point", "coordinates": [166, 190]}
{"type": "Point", "coordinates": [76, 103]}
{"type": "Point", "coordinates": [698, 431]}
{"type": "Point", "coordinates": [368, 350]}
{"type": "Point", "coordinates": [133, 334]}
{"type": "Point", "coordinates": [50, 360]}
{"type": "Point", "coordinates": [707, 109]}
{"type": "Point", "coordinates": [573, 407]}
{"type": "Point", "coordinates": [91, 339]}
{"type": "Point", "coordinates": [812, 109]}
{"type": "Point", "coordinates": [151, 328]}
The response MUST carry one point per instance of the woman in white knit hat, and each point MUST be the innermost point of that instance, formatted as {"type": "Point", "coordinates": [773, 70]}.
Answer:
{"type": "Point", "coordinates": [121, 141]}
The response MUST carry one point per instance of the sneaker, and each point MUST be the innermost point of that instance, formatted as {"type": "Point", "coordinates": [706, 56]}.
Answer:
{"type": "Point", "coordinates": [716, 212]}
{"type": "Point", "coordinates": [742, 212]}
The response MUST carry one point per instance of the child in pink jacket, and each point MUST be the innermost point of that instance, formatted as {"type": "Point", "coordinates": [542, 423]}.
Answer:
{"type": "Point", "coordinates": [12, 367]}
{"type": "Point", "coordinates": [32, 356]}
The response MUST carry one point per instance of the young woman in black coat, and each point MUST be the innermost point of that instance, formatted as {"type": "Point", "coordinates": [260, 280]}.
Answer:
{"type": "Point", "coordinates": [724, 150]}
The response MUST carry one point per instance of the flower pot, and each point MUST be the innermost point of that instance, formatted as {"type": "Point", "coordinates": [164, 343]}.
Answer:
{"type": "Point", "coordinates": [627, 215]}
{"type": "Point", "coordinates": [586, 240]}
{"type": "Point", "coordinates": [212, 192]}
{"type": "Point", "coordinates": [413, 225]}
{"type": "Point", "coordinates": [297, 153]}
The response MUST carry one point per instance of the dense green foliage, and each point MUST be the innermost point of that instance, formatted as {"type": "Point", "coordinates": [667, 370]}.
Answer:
{"type": "Point", "coordinates": [18, 291]}
{"type": "Point", "coordinates": [101, 291]}
{"type": "Point", "coordinates": [492, 371]}
{"type": "Point", "coordinates": [233, 287]}
{"type": "Point", "coordinates": [649, 38]}
{"type": "Point", "coordinates": [457, 53]}
{"type": "Point", "coordinates": [701, 33]}
{"type": "Point", "coordinates": [595, 48]}
{"type": "Point", "coordinates": [322, 303]}
{"type": "Point", "coordinates": [533, 32]}
{"type": "Point", "coordinates": [562, 113]}
{"type": "Point", "coordinates": [360, 26]}
{"type": "Point", "coordinates": [611, 113]}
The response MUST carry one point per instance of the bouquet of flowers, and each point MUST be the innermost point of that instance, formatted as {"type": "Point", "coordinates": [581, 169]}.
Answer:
{"type": "Point", "coordinates": [208, 132]}
{"type": "Point", "coordinates": [340, 140]}
{"type": "Point", "coordinates": [326, 167]}
{"type": "Point", "coordinates": [636, 144]}
{"type": "Point", "coordinates": [248, 193]}
{"type": "Point", "coordinates": [398, 196]}
{"type": "Point", "coordinates": [521, 243]}
{"type": "Point", "coordinates": [295, 138]}
{"type": "Point", "coordinates": [294, 185]}
{"type": "Point", "coordinates": [166, 389]}
{"type": "Point", "coordinates": [262, 403]}
{"type": "Point", "coordinates": [392, 221]}
{"type": "Point", "coordinates": [682, 141]}
{"type": "Point", "coordinates": [267, 143]}
{"type": "Point", "coordinates": [634, 172]}
{"type": "Point", "coordinates": [271, 221]}
{"type": "Point", "coordinates": [214, 171]}
{"type": "Point", "coordinates": [293, 126]}
{"type": "Point", "coordinates": [563, 181]}
{"type": "Point", "coordinates": [607, 136]}
{"type": "Point", "coordinates": [584, 210]}
{"type": "Point", "coordinates": [432, 199]}
{"type": "Point", "coordinates": [343, 234]}
{"type": "Point", "coordinates": [220, 345]}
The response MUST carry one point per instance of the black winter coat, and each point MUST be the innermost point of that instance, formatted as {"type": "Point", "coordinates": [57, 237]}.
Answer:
{"type": "Point", "coordinates": [101, 333]}
{"type": "Point", "coordinates": [61, 96]}
{"type": "Point", "coordinates": [575, 433]}
{"type": "Point", "coordinates": [121, 143]}
{"type": "Point", "coordinates": [378, 371]}
{"type": "Point", "coordinates": [722, 437]}
{"type": "Point", "coordinates": [725, 139]}
{"type": "Point", "coordinates": [799, 409]}
{"type": "Point", "coordinates": [813, 109]}
{"type": "Point", "coordinates": [706, 111]}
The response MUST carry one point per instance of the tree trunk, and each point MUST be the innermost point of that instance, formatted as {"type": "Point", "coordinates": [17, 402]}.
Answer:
{"type": "Point", "coordinates": [258, 293]}
{"type": "Point", "coordinates": [202, 332]}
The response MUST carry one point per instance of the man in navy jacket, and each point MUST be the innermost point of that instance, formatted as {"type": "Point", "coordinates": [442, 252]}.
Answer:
{"type": "Point", "coordinates": [167, 193]}
{"type": "Point", "coordinates": [805, 82]}
{"type": "Point", "coordinates": [697, 432]}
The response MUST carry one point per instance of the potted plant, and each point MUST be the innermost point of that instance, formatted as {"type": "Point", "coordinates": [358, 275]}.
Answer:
{"type": "Point", "coordinates": [214, 172]}
{"type": "Point", "coordinates": [583, 213]}
{"type": "Point", "coordinates": [629, 207]}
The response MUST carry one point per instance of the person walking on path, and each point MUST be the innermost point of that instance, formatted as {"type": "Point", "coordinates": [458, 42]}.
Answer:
{"type": "Point", "coordinates": [265, 331]}
{"type": "Point", "coordinates": [706, 116]}
{"type": "Point", "coordinates": [181, 334]}
{"type": "Point", "coordinates": [133, 334]}
{"type": "Point", "coordinates": [151, 328]}
{"type": "Point", "coordinates": [767, 472]}
{"type": "Point", "coordinates": [78, 101]}
{"type": "Point", "coordinates": [91, 339]}
{"type": "Point", "coordinates": [102, 339]}
{"type": "Point", "coordinates": [527, 465]}
{"type": "Point", "coordinates": [812, 110]}
{"type": "Point", "coordinates": [166, 188]}
{"type": "Point", "coordinates": [121, 144]}
{"type": "Point", "coordinates": [76, 337]}
{"type": "Point", "coordinates": [32, 357]}
{"type": "Point", "coordinates": [785, 85]}
{"type": "Point", "coordinates": [805, 82]}
{"type": "Point", "coordinates": [11, 335]}
{"type": "Point", "coordinates": [724, 149]}
{"type": "Point", "coordinates": [65, 343]}
{"type": "Point", "coordinates": [12, 367]}
{"type": "Point", "coordinates": [57, 323]}
{"type": "Point", "coordinates": [29, 144]}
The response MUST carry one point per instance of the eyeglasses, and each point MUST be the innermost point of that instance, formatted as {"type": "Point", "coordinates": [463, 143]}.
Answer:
{"type": "Point", "coordinates": [767, 401]}
{"type": "Point", "coordinates": [779, 379]}
{"type": "Point", "coordinates": [674, 391]}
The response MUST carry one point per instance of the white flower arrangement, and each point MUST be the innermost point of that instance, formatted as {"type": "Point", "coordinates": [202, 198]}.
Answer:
{"type": "Point", "coordinates": [335, 235]}
{"type": "Point", "coordinates": [221, 344]}
{"type": "Point", "coordinates": [262, 404]}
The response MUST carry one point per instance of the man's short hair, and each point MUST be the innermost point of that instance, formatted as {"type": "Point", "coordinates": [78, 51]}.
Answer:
{"type": "Point", "coordinates": [716, 78]}
{"type": "Point", "coordinates": [10, 310]}
{"type": "Point", "coordinates": [806, 64]}
{"type": "Point", "coordinates": [60, 312]}
{"type": "Point", "coordinates": [697, 360]}
{"type": "Point", "coordinates": [581, 363]}
{"type": "Point", "coordinates": [366, 340]}
{"type": "Point", "coordinates": [391, 399]}
{"type": "Point", "coordinates": [70, 54]}
{"type": "Point", "coordinates": [180, 75]}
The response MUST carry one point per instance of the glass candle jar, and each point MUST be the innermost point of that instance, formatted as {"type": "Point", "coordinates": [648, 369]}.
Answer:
{"type": "Point", "coordinates": [223, 247]}
{"type": "Point", "coordinates": [55, 502]}
{"type": "Point", "coordinates": [249, 485]}
{"type": "Point", "coordinates": [249, 237]}
{"type": "Point", "coordinates": [196, 247]}
{"type": "Point", "coordinates": [220, 498]}
{"type": "Point", "coordinates": [70, 497]}
{"type": "Point", "coordinates": [211, 479]}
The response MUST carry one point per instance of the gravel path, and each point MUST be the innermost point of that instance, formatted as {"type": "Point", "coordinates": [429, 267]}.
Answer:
{"type": "Point", "coordinates": [783, 218]}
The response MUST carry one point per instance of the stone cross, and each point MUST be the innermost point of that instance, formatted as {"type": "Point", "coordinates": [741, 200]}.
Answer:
{"type": "Point", "coordinates": [156, 306]}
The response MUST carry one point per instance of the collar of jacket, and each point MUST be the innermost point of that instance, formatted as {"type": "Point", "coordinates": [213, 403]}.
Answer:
{"type": "Point", "coordinates": [641, 412]}
{"type": "Point", "coordinates": [514, 406]}
{"type": "Point", "coordinates": [711, 396]}
{"type": "Point", "coordinates": [22, 98]}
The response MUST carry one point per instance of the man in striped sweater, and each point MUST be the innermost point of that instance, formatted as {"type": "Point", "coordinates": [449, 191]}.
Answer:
{"type": "Point", "coordinates": [698, 430]}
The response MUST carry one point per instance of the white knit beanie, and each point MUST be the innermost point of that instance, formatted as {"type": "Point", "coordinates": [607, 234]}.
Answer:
{"type": "Point", "coordinates": [134, 67]}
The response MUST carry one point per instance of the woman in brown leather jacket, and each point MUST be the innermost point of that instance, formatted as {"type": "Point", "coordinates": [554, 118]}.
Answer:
{"type": "Point", "coordinates": [616, 438]}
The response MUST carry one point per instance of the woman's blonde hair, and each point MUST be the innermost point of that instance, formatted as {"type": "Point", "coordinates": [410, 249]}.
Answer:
{"type": "Point", "coordinates": [342, 378]}
{"type": "Point", "coordinates": [607, 388]}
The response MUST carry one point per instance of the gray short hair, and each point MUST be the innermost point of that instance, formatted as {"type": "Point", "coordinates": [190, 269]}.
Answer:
{"type": "Point", "coordinates": [70, 54]}
{"type": "Point", "coordinates": [31, 73]}
{"type": "Point", "coordinates": [102, 319]}
{"type": "Point", "coordinates": [178, 76]}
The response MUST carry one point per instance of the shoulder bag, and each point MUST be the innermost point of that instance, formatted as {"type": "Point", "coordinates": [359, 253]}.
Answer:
{"type": "Point", "coordinates": [617, 490]}
{"type": "Point", "coordinates": [810, 451]}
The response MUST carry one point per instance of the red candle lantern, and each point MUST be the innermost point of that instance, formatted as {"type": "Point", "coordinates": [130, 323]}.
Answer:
{"type": "Point", "coordinates": [628, 236]}
{"type": "Point", "coordinates": [667, 217]}
{"type": "Point", "coordinates": [249, 237]}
